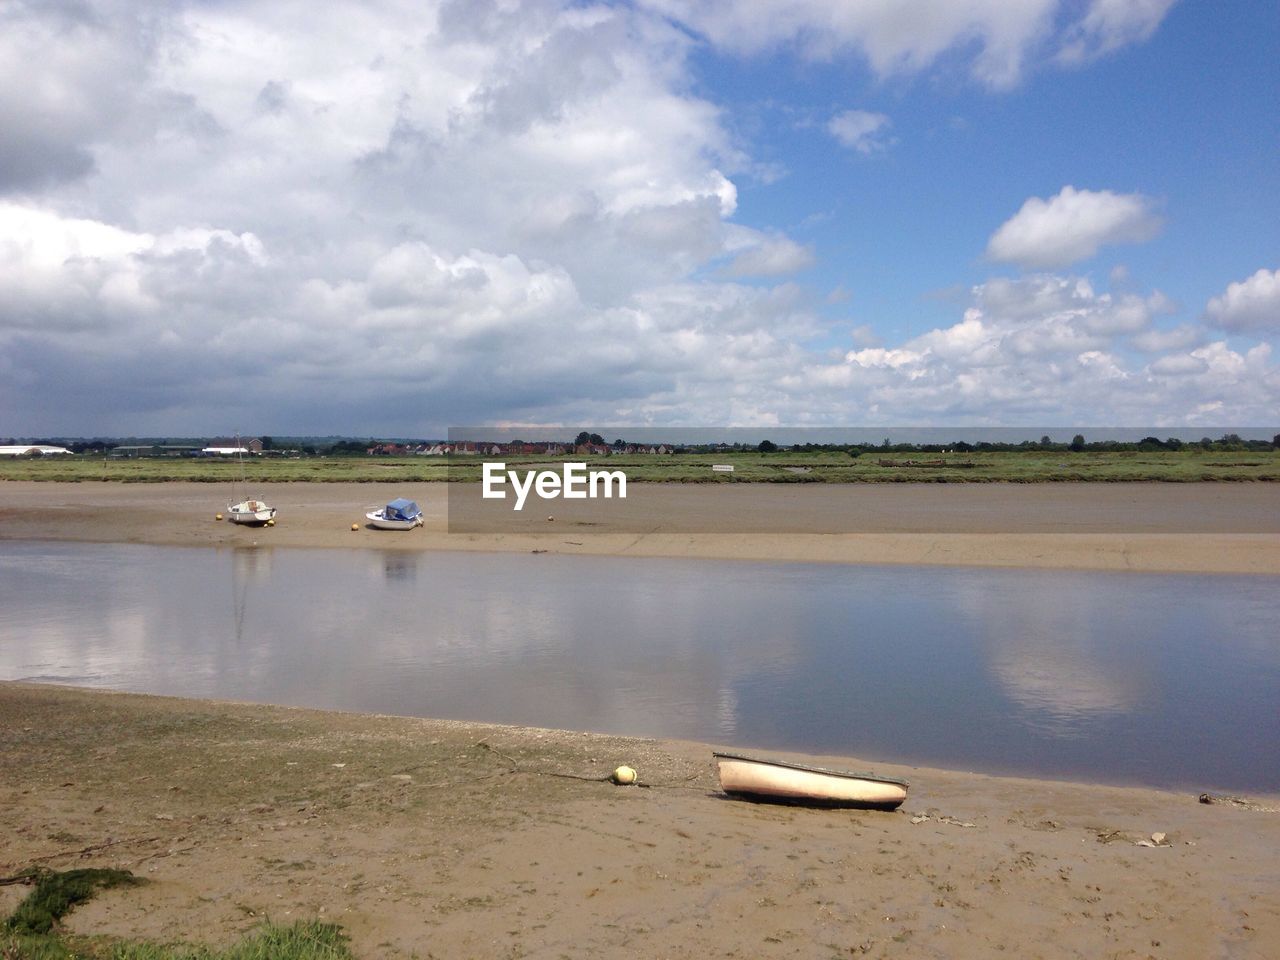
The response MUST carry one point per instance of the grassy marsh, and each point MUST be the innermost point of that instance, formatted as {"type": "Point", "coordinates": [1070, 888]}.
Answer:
{"type": "Point", "coordinates": [784, 466]}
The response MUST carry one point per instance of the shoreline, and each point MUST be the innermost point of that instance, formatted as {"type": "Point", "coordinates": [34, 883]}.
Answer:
{"type": "Point", "coordinates": [1157, 528]}
{"type": "Point", "coordinates": [461, 839]}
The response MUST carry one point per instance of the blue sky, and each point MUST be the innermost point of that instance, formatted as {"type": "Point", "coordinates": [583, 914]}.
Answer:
{"type": "Point", "coordinates": [393, 217]}
{"type": "Point", "coordinates": [1188, 118]}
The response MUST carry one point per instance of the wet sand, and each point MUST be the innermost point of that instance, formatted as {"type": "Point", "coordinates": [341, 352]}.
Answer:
{"type": "Point", "coordinates": [1207, 528]}
{"type": "Point", "coordinates": [426, 838]}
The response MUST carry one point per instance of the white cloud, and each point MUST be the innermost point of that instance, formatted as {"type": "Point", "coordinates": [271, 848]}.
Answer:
{"type": "Point", "coordinates": [1179, 365]}
{"type": "Point", "coordinates": [37, 240]}
{"type": "Point", "coordinates": [1071, 226]}
{"type": "Point", "coordinates": [487, 184]}
{"type": "Point", "coordinates": [1248, 305]}
{"type": "Point", "coordinates": [865, 336]}
{"type": "Point", "coordinates": [1178, 338]}
{"type": "Point", "coordinates": [1108, 25]}
{"type": "Point", "coordinates": [67, 84]}
{"type": "Point", "coordinates": [1030, 350]}
{"type": "Point", "coordinates": [997, 37]}
{"type": "Point", "coordinates": [1044, 302]}
{"type": "Point", "coordinates": [75, 273]}
{"type": "Point", "coordinates": [893, 38]}
{"type": "Point", "coordinates": [772, 256]}
{"type": "Point", "coordinates": [860, 130]}
{"type": "Point", "coordinates": [459, 212]}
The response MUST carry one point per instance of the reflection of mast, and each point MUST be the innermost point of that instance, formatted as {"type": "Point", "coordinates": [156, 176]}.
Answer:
{"type": "Point", "coordinates": [246, 563]}
{"type": "Point", "coordinates": [237, 599]}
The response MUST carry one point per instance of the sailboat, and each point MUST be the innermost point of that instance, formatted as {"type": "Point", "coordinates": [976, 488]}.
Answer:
{"type": "Point", "coordinates": [251, 511]}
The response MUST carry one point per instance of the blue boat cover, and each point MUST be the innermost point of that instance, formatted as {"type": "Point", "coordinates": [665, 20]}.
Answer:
{"type": "Point", "coordinates": [401, 509]}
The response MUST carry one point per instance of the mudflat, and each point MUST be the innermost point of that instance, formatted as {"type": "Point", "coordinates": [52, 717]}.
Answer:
{"type": "Point", "coordinates": [428, 838]}
{"type": "Point", "coordinates": [1158, 527]}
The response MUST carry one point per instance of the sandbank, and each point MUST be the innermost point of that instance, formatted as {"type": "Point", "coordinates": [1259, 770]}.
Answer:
{"type": "Point", "coordinates": [1193, 528]}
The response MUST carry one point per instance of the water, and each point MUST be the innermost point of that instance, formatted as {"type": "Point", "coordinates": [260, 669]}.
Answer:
{"type": "Point", "coordinates": [1125, 678]}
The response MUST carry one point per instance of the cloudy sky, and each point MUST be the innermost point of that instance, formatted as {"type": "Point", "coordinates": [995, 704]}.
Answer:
{"type": "Point", "coordinates": [386, 218]}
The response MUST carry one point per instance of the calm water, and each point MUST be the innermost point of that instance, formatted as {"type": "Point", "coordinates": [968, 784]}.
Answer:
{"type": "Point", "coordinates": [1127, 678]}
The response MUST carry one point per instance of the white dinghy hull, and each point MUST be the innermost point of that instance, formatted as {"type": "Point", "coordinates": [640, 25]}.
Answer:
{"type": "Point", "coordinates": [377, 520]}
{"type": "Point", "coordinates": [776, 781]}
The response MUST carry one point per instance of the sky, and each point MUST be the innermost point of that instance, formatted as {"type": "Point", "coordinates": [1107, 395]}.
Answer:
{"type": "Point", "coordinates": [389, 218]}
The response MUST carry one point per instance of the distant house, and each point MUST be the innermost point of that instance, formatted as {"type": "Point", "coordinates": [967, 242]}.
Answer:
{"type": "Point", "coordinates": [514, 448]}
{"type": "Point", "coordinates": [227, 447]}
{"type": "Point", "coordinates": [32, 450]}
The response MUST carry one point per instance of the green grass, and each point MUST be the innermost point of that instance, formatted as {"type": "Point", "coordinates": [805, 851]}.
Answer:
{"type": "Point", "coordinates": [300, 941]}
{"type": "Point", "coordinates": [56, 893]}
{"type": "Point", "coordinates": [305, 940]}
{"type": "Point", "coordinates": [78, 469]}
{"type": "Point", "coordinates": [1033, 466]}
{"type": "Point", "coordinates": [32, 931]}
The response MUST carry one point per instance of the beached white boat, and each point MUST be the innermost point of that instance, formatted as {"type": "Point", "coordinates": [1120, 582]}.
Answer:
{"type": "Point", "coordinates": [777, 781]}
{"type": "Point", "coordinates": [399, 514]}
{"type": "Point", "coordinates": [251, 512]}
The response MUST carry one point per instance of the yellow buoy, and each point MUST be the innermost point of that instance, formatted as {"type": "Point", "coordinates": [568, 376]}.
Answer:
{"type": "Point", "coordinates": [271, 522]}
{"type": "Point", "coordinates": [355, 526]}
{"type": "Point", "coordinates": [217, 516]}
{"type": "Point", "coordinates": [624, 775]}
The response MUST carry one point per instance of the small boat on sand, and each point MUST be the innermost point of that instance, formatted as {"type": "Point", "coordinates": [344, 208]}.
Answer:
{"type": "Point", "coordinates": [252, 512]}
{"type": "Point", "coordinates": [776, 781]}
{"type": "Point", "coordinates": [399, 514]}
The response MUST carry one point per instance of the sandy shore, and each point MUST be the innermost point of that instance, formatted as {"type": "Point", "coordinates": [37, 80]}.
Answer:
{"type": "Point", "coordinates": [435, 839]}
{"type": "Point", "coordinates": [1210, 528]}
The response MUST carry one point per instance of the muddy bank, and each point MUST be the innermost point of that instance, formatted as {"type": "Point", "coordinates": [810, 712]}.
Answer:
{"type": "Point", "coordinates": [443, 839]}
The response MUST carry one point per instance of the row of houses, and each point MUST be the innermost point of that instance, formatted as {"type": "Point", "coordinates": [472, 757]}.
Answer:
{"type": "Point", "coordinates": [230, 447]}
{"type": "Point", "coordinates": [470, 448]}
